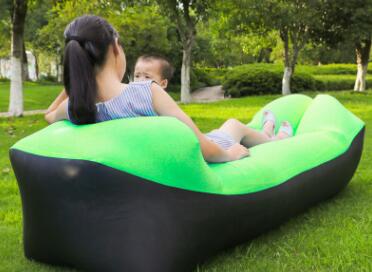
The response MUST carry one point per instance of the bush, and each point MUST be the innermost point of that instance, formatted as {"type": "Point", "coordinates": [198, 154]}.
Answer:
{"type": "Point", "coordinates": [206, 76]}
{"type": "Point", "coordinates": [337, 82]}
{"type": "Point", "coordinates": [265, 78]}
{"type": "Point", "coordinates": [200, 77]}
{"type": "Point", "coordinates": [329, 69]}
{"type": "Point", "coordinates": [4, 79]}
{"type": "Point", "coordinates": [211, 76]}
{"type": "Point", "coordinates": [47, 78]}
{"type": "Point", "coordinates": [174, 88]}
{"type": "Point", "coordinates": [301, 82]}
{"type": "Point", "coordinates": [244, 81]}
{"type": "Point", "coordinates": [196, 80]}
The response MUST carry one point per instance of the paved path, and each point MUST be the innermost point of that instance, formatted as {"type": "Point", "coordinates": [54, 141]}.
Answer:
{"type": "Point", "coordinates": [208, 94]}
{"type": "Point", "coordinates": [32, 112]}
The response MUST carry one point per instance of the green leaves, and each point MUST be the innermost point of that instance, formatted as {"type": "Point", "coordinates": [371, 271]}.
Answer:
{"type": "Point", "coordinates": [144, 30]}
{"type": "Point", "coordinates": [345, 21]}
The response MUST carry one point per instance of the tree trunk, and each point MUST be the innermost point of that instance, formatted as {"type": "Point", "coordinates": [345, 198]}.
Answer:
{"type": "Point", "coordinates": [25, 74]}
{"type": "Point", "coordinates": [16, 92]}
{"type": "Point", "coordinates": [286, 82]}
{"type": "Point", "coordinates": [360, 82]}
{"type": "Point", "coordinates": [362, 55]}
{"type": "Point", "coordinates": [60, 69]}
{"type": "Point", "coordinates": [185, 71]}
{"type": "Point", "coordinates": [59, 73]}
{"type": "Point", "coordinates": [36, 66]}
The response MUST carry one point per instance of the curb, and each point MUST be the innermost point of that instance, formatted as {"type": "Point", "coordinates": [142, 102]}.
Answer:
{"type": "Point", "coordinates": [25, 113]}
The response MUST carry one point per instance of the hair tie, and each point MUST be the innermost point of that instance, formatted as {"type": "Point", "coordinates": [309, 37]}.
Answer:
{"type": "Point", "coordinates": [75, 38]}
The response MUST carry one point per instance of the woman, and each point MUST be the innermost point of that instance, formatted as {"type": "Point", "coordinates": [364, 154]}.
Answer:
{"type": "Point", "coordinates": [94, 65]}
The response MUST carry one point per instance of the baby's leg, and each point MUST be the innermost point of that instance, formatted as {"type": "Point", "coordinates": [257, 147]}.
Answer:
{"type": "Point", "coordinates": [243, 134]}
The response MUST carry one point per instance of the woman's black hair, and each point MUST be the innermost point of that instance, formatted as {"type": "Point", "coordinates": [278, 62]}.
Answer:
{"type": "Point", "coordinates": [87, 40]}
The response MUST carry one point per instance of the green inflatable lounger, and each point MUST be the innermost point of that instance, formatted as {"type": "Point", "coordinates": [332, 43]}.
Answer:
{"type": "Point", "coordinates": [136, 194]}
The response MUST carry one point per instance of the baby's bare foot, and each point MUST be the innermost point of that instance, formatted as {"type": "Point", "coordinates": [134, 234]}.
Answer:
{"type": "Point", "coordinates": [268, 123]}
{"type": "Point", "coordinates": [285, 131]}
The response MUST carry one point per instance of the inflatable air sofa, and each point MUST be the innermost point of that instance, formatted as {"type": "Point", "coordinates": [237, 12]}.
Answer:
{"type": "Point", "coordinates": [136, 194]}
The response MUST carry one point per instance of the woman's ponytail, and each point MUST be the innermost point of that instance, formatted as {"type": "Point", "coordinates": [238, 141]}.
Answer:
{"type": "Point", "coordinates": [80, 83]}
{"type": "Point", "coordinates": [87, 41]}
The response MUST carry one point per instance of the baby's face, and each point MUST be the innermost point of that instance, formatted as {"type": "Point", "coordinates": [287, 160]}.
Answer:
{"type": "Point", "coordinates": [149, 70]}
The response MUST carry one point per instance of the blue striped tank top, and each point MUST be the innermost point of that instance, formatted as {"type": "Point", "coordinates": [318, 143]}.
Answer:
{"type": "Point", "coordinates": [136, 100]}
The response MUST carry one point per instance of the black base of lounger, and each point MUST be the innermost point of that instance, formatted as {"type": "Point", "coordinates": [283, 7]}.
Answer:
{"type": "Point", "coordinates": [89, 216]}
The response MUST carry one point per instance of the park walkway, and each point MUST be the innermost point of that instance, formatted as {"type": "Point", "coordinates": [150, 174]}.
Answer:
{"type": "Point", "coordinates": [31, 112]}
{"type": "Point", "coordinates": [208, 94]}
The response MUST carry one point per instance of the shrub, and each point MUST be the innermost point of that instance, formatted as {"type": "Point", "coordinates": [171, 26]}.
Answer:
{"type": "Point", "coordinates": [196, 83]}
{"type": "Point", "coordinates": [301, 82]}
{"type": "Point", "coordinates": [329, 69]}
{"type": "Point", "coordinates": [209, 76]}
{"type": "Point", "coordinates": [243, 82]}
{"type": "Point", "coordinates": [47, 78]}
{"type": "Point", "coordinates": [266, 78]}
{"type": "Point", "coordinates": [213, 76]}
{"type": "Point", "coordinates": [174, 88]}
{"type": "Point", "coordinates": [4, 79]}
{"type": "Point", "coordinates": [337, 82]}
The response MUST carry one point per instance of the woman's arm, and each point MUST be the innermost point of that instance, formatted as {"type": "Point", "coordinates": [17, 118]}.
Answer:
{"type": "Point", "coordinates": [57, 110]}
{"type": "Point", "coordinates": [57, 114]}
{"type": "Point", "coordinates": [165, 105]}
{"type": "Point", "coordinates": [60, 98]}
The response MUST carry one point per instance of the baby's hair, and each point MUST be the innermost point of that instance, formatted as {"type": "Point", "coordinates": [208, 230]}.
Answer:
{"type": "Point", "coordinates": [167, 69]}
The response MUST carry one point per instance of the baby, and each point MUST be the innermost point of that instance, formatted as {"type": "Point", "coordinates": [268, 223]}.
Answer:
{"type": "Point", "coordinates": [153, 67]}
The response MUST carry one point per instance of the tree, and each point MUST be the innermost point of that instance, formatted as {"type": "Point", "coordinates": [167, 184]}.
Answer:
{"type": "Point", "coordinates": [350, 21]}
{"type": "Point", "coordinates": [218, 46]}
{"type": "Point", "coordinates": [18, 10]}
{"type": "Point", "coordinates": [186, 14]}
{"type": "Point", "coordinates": [5, 29]}
{"type": "Point", "coordinates": [362, 50]}
{"type": "Point", "coordinates": [294, 20]}
{"type": "Point", "coordinates": [49, 37]}
{"type": "Point", "coordinates": [36, 19]}
{"type": "Point", "coordinates": [142, 29]}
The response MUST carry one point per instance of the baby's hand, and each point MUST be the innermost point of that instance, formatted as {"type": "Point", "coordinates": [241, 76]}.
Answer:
{"type": "Point", "coordinates": [238, 151]}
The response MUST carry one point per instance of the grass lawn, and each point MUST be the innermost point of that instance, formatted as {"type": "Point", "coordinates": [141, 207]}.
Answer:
{"type": "Point", "coordinates": [333, 236]}
{"type": "Point", "coordinates": [37, 96]}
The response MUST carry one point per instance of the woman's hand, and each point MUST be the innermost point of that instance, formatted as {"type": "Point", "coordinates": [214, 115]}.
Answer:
{"type": "Point", "coordinates": [60, 98]}
{"type": "Point", "coordinates": [55, 112]}
{"type": "Point", "coordinates": [59, 113]}
{"type": "Point", "coordinates": [237, 152]}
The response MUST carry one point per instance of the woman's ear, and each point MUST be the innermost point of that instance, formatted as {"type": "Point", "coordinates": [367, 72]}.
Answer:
{"type": "Point", "coordinates": [115, 47]}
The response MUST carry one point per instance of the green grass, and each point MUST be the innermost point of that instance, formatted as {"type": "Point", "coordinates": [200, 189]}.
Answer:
{"type": "Point", "coordinates": [333, 236]}
{"type": "Point", "coordinates": [38, 96]}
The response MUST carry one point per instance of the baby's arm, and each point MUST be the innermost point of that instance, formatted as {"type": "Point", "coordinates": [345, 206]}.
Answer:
{"type": "Point", "coordinates": [165, 105]}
